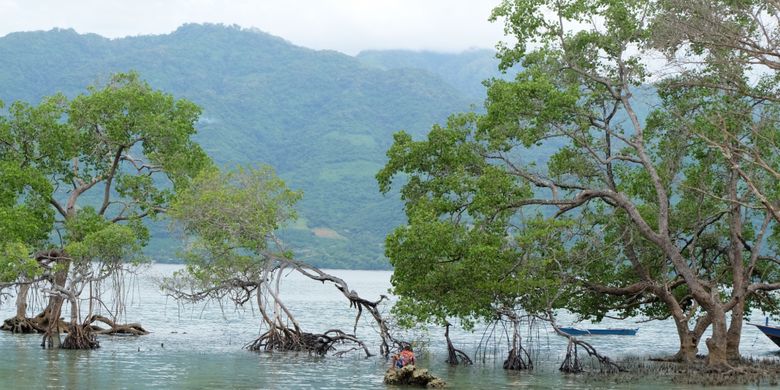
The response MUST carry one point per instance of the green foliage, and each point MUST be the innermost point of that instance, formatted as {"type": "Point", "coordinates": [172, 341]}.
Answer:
{"type": "Point", "coordinates": [460, 255]}
{"type": "Point", "coordinates": [232, 218]}
{"type": "Point", "coordinates": [116, 156]}
{"type": "Point", "coordinates": [15, 261]}
{"type": "Point", "coordinates": [26, 218]}
{"type": "Point", "coordinates": [112, 244]}
{"type": "Point", "coordinates": [592, 226]}
{"type": "Point", "coordinates": [25, 215]}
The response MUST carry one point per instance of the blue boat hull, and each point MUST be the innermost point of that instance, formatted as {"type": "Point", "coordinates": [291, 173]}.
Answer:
{"type": "Point", "coordinates": [770, 331]}
{"type": "Point", "coordinates": [599, 332]}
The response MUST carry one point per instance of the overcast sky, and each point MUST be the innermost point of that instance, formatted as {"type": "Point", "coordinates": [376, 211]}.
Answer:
{"type": "Point", "coordinates": [344, 25]}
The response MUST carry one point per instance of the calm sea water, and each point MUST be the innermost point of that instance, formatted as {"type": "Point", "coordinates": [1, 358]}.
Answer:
{"type": "Point", "coordinates": [201, 346]}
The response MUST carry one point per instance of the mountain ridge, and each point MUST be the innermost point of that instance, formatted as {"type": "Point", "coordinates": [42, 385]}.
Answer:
{"type": "Point", "coordinates": [321, 118]}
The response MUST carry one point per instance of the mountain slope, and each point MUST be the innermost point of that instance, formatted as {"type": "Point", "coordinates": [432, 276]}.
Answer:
{"type": "Point", "coordinates": [321, 118]}
{"type": "Point", "coordinates": [465, 71]}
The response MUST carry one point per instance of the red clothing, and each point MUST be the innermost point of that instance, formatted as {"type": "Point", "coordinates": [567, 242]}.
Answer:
{"type": "Point", "coordinates": [407, 357]}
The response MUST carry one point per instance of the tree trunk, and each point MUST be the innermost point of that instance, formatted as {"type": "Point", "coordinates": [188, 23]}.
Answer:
{"type": "Point", "coordinates": [74, 310]}
{"type": "Point", "coordinates": [20, 323]}
{"type": "Point", "coordinates": [737, 267]}
{"type": "Point", "coordinates": [708, 299]}
{"type": "Point", "coordinates": [717, 358]}
{"type": "Point", "coordinates": [689, 339]}
{"type": "Point", "coordinates": [51, 338]}
{"type": "Point", "coordinates": [689, 346]}
{"type": "Point", "coordinates": [21, 301]}
{"type": "Point", "coordinates": [735, 331]}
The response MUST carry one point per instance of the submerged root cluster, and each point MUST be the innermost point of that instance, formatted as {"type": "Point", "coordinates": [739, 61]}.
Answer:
{"type": "Point", "coordinates": [25, 325]}
{"type": "Point", "coordinates": [280, 339]}
{"type": "Point", "coordinates": [84, 336]}
{"type": "Point", "coordinates": [284, 332]}
{"type": "Point", "coordinates": [515, 360]}
{"type": "Point", "coordinates": [288, 339]}
{"type": "Point", "coordinates": [80, 337]}
{"type": "Point", "coordinates": [518, 357]}
{"type": "Point", "coordinates": [22, 325]}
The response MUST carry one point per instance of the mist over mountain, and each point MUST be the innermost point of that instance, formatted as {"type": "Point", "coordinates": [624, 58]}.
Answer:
{"type": "Point", "coordinates": [322, 119]}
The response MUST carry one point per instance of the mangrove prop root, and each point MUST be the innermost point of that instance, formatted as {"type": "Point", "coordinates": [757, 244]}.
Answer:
{"type": "Point", "coordinates": [114, 328]}
{"type": "Point", "coordinates": [279, 339]}
{"type": "Point", "coordinates": [80, 337]}
{"type": "Point", "coordinates": [288, 339]}
{"type": "Point", "coordinates": [454, 355]}
{"type": "Point", "coordinates": [37, 324]}
{"type": "Point", "coordinates": [22, 325]}
{"type": "Point", "coordinates": [355, 301]}
{"type": "Point", "coordinates": [283, 330]}
{"type": "Point", "coordinates": [572, 364]}
{"type": "Point", "coordinates": [515, 361]}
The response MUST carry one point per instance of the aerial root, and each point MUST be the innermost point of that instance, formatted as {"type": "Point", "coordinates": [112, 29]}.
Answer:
{"type": "Point", "coordinates": [572, 364]}
{"type": "Point", "coordinates": [515, 361]}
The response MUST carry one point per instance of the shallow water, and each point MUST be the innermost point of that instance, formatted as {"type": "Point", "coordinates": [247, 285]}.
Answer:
{"type": "Point", "coordinates": [201, 347]}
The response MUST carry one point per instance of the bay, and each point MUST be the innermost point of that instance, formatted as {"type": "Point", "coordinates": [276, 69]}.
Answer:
{"type": "Point", "coordinates": [201, 346]}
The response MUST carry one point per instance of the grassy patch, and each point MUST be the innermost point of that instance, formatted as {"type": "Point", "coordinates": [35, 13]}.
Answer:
{"type": "Point", "coordinates": [322, 232]}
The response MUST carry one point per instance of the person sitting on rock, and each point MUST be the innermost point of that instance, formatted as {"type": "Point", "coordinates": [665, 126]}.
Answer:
{"type": "Point", "coordinates": [405, 358]}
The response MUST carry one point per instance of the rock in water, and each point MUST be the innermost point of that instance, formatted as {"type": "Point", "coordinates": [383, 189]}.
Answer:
{"type": "Point", "coordinates": [411, 375]}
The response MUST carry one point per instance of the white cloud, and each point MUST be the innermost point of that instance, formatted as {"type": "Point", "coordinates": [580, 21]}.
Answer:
{"type": "Point", "coordinates": [345, 25]}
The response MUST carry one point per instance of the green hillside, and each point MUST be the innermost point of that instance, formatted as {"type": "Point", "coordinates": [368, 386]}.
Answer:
{"type": "Point", "coordinates": [465, 71]}
{"type": "Point", "coordinates": [323, 119]}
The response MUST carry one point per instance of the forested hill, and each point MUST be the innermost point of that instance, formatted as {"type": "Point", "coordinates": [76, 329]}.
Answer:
{"type": "Point", "coordinates": [323, 119]}
{"type": "Point", "coordinates": [465, 71]}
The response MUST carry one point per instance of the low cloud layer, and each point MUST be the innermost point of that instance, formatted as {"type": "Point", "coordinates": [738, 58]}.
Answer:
{"type": "Point", "coordinates": [348, 26]}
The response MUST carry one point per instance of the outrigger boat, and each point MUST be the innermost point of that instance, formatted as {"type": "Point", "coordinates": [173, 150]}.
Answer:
{"type": "Point", "coordinates": [772, 332]}
{"type": "Point", "coordinates": [599, 332]}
